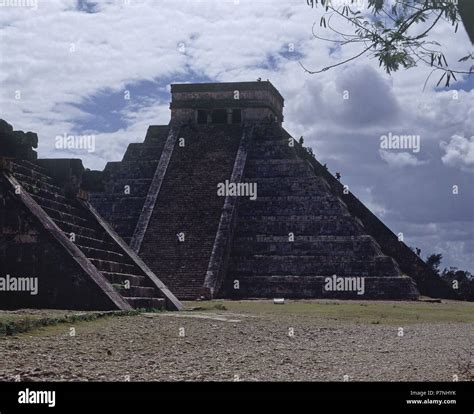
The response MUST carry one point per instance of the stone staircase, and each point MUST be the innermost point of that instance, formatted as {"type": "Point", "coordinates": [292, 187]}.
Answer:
{"type": "Point", "coordinates": [188, 203]}
{"type": "Point", "coordinates": [297, 231]}
{"type": "Point", "coordinates": [81, 227]}
{"type": "Point", "coordinates": [126, 182]}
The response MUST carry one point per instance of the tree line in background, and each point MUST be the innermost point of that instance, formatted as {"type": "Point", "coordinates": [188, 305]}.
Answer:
{"type": "Point", "coordinates": [461, 281]}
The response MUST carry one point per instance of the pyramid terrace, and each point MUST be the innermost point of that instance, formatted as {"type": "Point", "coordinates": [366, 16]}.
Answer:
{"type": "Point", "coordinates": [152, 228]}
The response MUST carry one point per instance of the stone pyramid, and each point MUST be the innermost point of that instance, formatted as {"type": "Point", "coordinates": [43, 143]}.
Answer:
{"type": "Point", "coordinates": [55, 250]}
{"type": "Point", "coordinates": [301, 236]}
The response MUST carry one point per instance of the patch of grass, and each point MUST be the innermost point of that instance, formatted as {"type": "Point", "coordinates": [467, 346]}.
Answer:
{"type": "Point", "coordinates": [208, 305]}
{"type": "Point", "coordinates": [383, 312]}
{"type": "Point", "coordinates": [17, 323]}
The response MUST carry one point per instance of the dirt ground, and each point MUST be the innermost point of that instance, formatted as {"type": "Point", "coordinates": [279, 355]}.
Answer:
{"type": "Point", "coordinates": [254, 341]}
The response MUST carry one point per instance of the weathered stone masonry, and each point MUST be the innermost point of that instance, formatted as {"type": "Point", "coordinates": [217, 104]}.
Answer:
{"type": "Point", "coordinates": [50, 234]}
{"type": "Point", "coordinates": [201, 244]}
{"type": "Point", "coordinates": [152, 228]}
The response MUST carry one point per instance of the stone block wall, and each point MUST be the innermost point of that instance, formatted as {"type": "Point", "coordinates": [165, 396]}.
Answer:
{"type": "Point", "coordinates": [28, 251]}
{"type": "Point", "coordinates": [428, 283]}
{"type": "Point", "coordinates": [258, 100]}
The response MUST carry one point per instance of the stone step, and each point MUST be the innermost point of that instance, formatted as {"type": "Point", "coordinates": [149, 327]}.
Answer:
{"type": "Point", "coordinates": [276, 163]}
{"type": "Point", "coordinates": [180, 201]}
{"type": "Point", "coordinates": [100, 249]}
{"type": "Point", "coordinates": [300, 218]}
{"type": "Point", "coordinates": [272, 238]}
{"type": "Point", "coordinates": [269, 144]}
{"type": "Point", "coordinates": [94, 243]}
{"type": "Point", "coordinates": [30, 165]}
{"type": "Point", "coordinates": [274, 152]}
{"type": "Point", "coordinates": [174, 265]}
{"type": "Point", "coordinates": [263, 167]}
{"type": "Point", "coordinates": [38, 185]}
{"type": "Point", "coordinates": [157, 134]}
{"type": "Point", "coordinates": [188, 282]}
{"type": "Point", "coordinates": [64, 206]}
{"type": "Point", "coordinates": [341, 265]}
{"type": "Point", "coordinates": [364, 248]}
{"type": "Point", "coordinates": [142, 152]}
{"type": "Point", "coordinates": [311, 286]}
{"type": "Point", "coordinates": [69, 228]}
{"type": "Point", "coordinates": [177, 282]}
{"type": "Point", "coordinates": [268, 133]}
{"type": "Point", "coordinates": [124, 226]}
{"type": "Point", "coordinates": [136, 291]}
{"type": "Point", "coordinates": [191, 295]}
{"type": "Point", "coordinates": [129, 169]}
{"type": "Point", "coordinates": [282, 227]}
{"type": "Point", "coordinates": [121, 278]}
{"type": "Point", "coordinates": [254, 208]}
{"type": "Point", "coordinates": [290, 181]}
{"type": "Point", "coordinates": [113, 267]}
{"type": "Point", "coordinates": [102, 254]}
{"type": "Point", "coordinates": [294, 199]}
{"type": "Point", "coordinates": [45, 194]}
{"type": "Point", "coordinates": [138, 186]}
{"type": "Point", "coordinates": [167, 237]}
{"type": "Point", "coordinates": [33, 174]}
{"type": "Point", "coordinates": [173, 259]}
{"type": "Point", "coordinates": [192, 292]}
{"type": "Point", "coordinates": [252, 174]}
{"type": "Point", "coordinates": [146, 303]}
{"type": "Point", "coordinates": [188, 202]}
{"type": "Point", "coordinates": [125, 205]}
{"type": "Point", "coordinates": [65, 217]}
{"type": "Point", "coordinates": [284, 188]}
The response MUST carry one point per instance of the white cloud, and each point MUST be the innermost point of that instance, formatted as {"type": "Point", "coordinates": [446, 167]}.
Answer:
{"type": "Point", "coordinates": [459, 152]}
{"type": "Point", "coordinates": [400, 159]}
{"type": "Point", "coordinates": [123, 45]}
{"type": "Point", "coordinates": [367, 196]}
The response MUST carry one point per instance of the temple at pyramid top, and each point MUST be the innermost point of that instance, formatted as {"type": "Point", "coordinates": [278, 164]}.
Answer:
{"type": "Point", "coordinates": [226, 103]}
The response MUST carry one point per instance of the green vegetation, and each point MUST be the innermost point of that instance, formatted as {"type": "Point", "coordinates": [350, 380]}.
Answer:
{"type": "Point", "coordinates": [398, 33]}
{"type": "Point", "coordinates": [17, 323]}
{"type": "Point", "coordinates": [461, 281]}
{"type": "Point", "coordinates": [387, 313]}
{"type": "Point", "coordinates": [363, 312]}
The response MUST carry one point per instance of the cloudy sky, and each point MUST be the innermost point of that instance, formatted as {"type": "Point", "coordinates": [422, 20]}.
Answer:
{"type": "Point", "coordinates": [66, 67]}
